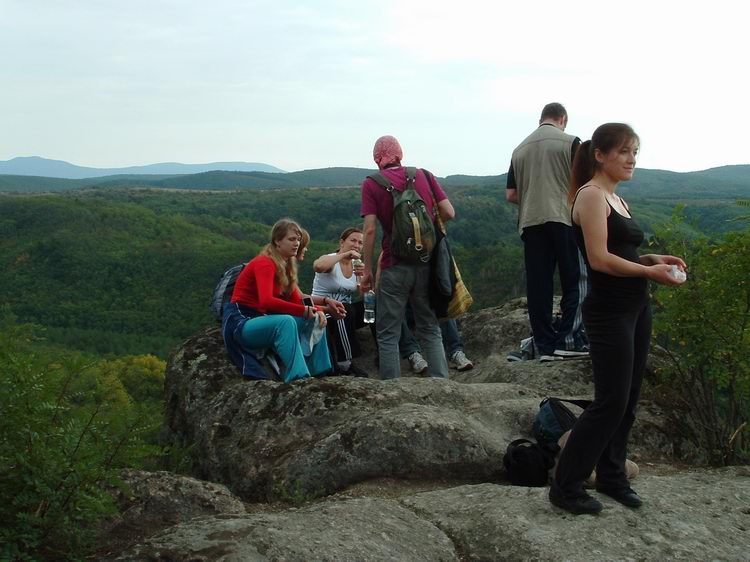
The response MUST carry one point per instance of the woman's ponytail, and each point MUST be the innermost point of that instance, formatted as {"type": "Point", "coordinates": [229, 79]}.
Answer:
{"type": "Point", "coordinates": [583, 169]}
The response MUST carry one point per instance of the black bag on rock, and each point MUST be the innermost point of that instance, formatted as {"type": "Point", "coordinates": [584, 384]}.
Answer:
{"type": "Point", "coordinates": [527, 463]}
{"type": "Point", "coordinates": [554, 418]}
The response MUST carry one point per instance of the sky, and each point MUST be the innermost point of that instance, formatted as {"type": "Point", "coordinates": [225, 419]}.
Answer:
{"type": "Point", "coordinates": [303, 85]}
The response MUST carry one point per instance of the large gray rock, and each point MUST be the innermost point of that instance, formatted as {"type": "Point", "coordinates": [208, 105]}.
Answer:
{"type": "Point", "coordinates": [697, 515]}
{"type": "Point", "coordinates": [163, 498]}
{"type": "Point", "coordinates": [702, 515]}
{"type": "Point", "coordinates": [266, 440]}
{"type": "Point", "coordinates": [364, 529]}
{"type": "Point", "coordinates": [151, 501]}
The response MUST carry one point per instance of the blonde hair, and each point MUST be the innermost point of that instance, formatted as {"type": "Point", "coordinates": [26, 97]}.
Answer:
{"type": "Point", "coordinates": [286, 269]}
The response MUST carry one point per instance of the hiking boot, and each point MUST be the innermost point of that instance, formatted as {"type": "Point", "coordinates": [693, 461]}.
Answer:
{"type": "Point", "coordinates": [626, 496]}
{"type": "Point", "coordinates": [579, 505]}
{"type": "Point", "coordinates": [417, 362]}
{"type": "Point", "coordinates": [460, 362]}
{"type": "Point", "coordinates": [578, 352]}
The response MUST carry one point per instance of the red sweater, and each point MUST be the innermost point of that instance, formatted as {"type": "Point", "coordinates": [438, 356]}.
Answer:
{"type": "Point", "coordinates": [257, 288]}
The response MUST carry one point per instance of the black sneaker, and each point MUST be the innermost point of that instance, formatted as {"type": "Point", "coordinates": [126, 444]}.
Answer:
{"type": "Point", "coordinates": [354, 371]}
{"type": "Point", "coordinates": [626, 496]}
{"type": "Point", "coordinates": [579, 505]}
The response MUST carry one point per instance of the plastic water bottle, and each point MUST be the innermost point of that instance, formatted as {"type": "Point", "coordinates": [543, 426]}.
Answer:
{"type": "Point", "coordinates": [369, 307]}
{"type": "Point", "coordinates": [678, 274]}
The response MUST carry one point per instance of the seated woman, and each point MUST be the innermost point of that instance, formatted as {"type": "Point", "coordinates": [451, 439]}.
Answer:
{"type": "Point", "coordinates": [336, 278]}
{"type": "Point", "coordinates": [330, 306]}
{"type": "Point", "coordinates": [266, 311]}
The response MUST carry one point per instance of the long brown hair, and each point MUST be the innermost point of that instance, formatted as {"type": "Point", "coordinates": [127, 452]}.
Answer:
{"type": "Point", "coordinates": [286, 270]}
{"type": "Point", "coordinates": [605, 138]}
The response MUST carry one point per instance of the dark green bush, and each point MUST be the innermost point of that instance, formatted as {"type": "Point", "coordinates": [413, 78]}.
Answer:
{"type": "Point", "coordinates": [705, 327]}
{"type": "Point", "coordinates": [68, 425]}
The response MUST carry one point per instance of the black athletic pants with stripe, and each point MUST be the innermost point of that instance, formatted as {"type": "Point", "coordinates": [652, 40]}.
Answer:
{"type": "Point", "coordinates": [342, 337]}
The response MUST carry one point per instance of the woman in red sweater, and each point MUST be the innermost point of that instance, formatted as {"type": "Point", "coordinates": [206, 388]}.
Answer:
{"type": "Point", "coordinates": [266, 311]}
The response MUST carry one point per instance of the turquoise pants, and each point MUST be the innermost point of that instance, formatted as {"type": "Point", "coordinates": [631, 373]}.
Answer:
{"type": "Point", "coordinates": [281, 333]}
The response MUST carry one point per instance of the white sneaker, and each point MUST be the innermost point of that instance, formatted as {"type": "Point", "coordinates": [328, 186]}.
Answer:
{"type": "Point", "coordinates": [460, 362]}
{"type": "Point", "coordinates": [417, 362]}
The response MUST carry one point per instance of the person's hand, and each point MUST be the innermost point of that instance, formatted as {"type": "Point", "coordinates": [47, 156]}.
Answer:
{"type": "Point", "coordinates": [321, 317]}
{"type": "Point", "coordinates": [359, 269]}
{"type": "Point", "coordinates": [352, 255]}
{"type": "Point", "coordinates": [657, 259]}
{"type": "Point", "coordinates": [661, 273]}
{"type": "Point", "coordinates": [365, 283]}
{"type": "Point", "coordinates": [335, 309]}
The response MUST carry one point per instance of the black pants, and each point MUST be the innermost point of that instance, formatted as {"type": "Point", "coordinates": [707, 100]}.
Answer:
{"type": "Point", "coordinates": [619, 332]}
{"type": "Point", "coordinates": [546, 247]}
{"type": "Point", "coordinates": [342, 335]}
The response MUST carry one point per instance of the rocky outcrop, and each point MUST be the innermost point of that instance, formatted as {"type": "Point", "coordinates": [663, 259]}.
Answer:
{"type": "Point", "coordinates": [148, 502]}
{"type": "Point", "coordinates": [355, 457]}
{"type": "Point", "coordinates": [699, 515]}
{"type": "Point", "coordinates": [266, 440]}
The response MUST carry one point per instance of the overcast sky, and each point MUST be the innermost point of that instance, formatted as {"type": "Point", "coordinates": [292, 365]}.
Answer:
{"type": "Point", "coordinates": [312, 84]}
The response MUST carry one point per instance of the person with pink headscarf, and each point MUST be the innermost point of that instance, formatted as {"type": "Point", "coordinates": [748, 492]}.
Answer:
{"type": "Point", "coordinates": [400, 283]}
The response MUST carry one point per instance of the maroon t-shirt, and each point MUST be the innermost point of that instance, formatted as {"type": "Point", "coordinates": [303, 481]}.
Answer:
{"type": "Point", "coordinates": [377, 201]}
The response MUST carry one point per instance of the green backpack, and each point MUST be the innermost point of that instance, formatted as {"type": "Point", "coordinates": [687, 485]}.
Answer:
{"type": "Point", "coordinates": [412, 232]}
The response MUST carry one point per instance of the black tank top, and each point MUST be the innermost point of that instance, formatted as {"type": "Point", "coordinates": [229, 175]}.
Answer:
{"type": "Point", "coordinates": [624, 236]}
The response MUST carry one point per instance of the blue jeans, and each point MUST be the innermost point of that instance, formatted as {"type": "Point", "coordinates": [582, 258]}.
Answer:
{"type": "Point", "coordinates": [401, 284]}
{"type": "Point", "coordinates": [281, 332]}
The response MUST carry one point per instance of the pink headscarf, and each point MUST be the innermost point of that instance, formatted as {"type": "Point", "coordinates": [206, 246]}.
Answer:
{"type": "Point", "coordinates": [387, 151]}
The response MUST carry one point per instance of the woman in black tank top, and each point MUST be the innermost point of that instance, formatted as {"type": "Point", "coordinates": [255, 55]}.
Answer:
{"type": "Point", "coordinates": [617, 318]}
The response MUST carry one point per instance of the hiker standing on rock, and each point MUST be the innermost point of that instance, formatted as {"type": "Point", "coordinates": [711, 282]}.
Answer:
{"type": "Point", "coordinates": [617, 316]}
{"type": "Point", "coordinates": [402, 279]}
{"type": "Point", "coordinates": [537, 182]}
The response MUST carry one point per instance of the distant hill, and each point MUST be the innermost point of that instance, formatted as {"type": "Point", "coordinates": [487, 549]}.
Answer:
{"type": "Point", "coordinates": [723, 182]}
{"type": "Point", "coordinates": [43, 167]}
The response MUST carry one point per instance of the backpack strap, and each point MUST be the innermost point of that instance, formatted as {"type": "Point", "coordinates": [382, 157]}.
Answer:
{"type": "Point", "coordinates": [583, 404]}
{"type": "Point", "coordinates": [380, 179]}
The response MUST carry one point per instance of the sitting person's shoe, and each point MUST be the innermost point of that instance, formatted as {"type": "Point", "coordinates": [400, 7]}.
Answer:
{"type": "Point", "coordinates": [460, 362]}
{"type": "Point", "coordinates": [582, 351]}
{"type": "Point", "coordinates": [417, 362]}
{"type": "Point", "coordinates": [579, 505]}
{"type": "Point", "coordinates": [354, 371]}
{"type": "Point", "coordinates": [518, 356]}
{"type": "Point", "coordinates": [626, 496]}
{"type": "Point", "coordinates": [545, 358]}
{"type": "Point", "coordinates": [526, 352]}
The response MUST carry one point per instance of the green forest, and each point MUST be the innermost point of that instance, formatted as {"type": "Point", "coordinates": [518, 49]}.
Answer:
{"type": "Point", "coordinates": [100, 283]}
{"type": "Point", "coordinates": [130, 270]}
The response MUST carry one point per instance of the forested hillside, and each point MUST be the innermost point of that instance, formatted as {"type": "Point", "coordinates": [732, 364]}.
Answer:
{"type": "Point", "coordinates": [131, 270]}
{"type": "Point", "coordinates": [727, 181]}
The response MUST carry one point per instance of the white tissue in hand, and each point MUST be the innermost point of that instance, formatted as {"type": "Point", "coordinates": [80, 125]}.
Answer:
{"type": "Point", "coordinates": [678, 274]}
